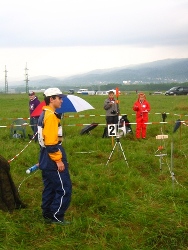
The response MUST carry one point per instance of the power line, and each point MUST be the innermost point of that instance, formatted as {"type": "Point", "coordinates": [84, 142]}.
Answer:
{"type": "Point", "coordinates": [26, 79]}
{"type": "Point", "coordinates": [6, 81]}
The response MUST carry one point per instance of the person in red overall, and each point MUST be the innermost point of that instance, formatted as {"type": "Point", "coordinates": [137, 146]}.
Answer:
{"type": "Point", "coordinates": [142, 107]}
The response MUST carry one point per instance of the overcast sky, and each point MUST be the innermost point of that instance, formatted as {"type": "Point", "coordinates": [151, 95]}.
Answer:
{"type": "Point", "coordinates": [65, 37]}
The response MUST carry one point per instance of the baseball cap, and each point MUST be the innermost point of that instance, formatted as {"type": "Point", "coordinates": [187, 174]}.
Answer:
{"type": "Point", "coordinates": [31, 93]}
{"type": "Point", "coordinates": [53, 91]}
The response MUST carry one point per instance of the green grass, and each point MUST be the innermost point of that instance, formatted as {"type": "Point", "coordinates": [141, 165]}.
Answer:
{"type": "Point", "coordinates": [113, 206]}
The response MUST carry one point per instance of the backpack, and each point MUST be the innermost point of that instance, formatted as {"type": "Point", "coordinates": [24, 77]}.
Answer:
{"type": "Point", "coordinates": [9, 196]}
{"type": "Point", "coordinates": [125, 120]}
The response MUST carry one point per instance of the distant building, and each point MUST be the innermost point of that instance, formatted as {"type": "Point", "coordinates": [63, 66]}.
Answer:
{"type": "Point", "coordinates": [101, 92]}
{"type": "Point", "coordinates": [11, 91]}
{"type": "Point", "coordinates": [82, 91]}
{"type": "Point", "coordinates": [37, 90]}
{"type": "Point", "coordinates": [127, 82]}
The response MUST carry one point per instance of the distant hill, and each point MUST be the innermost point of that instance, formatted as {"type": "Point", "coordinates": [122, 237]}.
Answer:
{"type": "Point", "coordinates": [162, 71]}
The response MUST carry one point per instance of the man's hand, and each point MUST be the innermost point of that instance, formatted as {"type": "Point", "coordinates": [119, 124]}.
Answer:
{"type": "Point", "coordinates": [60, 166]}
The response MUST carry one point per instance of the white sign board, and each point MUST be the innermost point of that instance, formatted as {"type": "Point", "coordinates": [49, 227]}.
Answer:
{"type": "Point", "coordinates": [112, 129]}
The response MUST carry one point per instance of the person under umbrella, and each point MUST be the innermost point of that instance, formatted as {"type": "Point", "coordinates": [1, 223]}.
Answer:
{"type": "Point", "coordinates": [33, 103]}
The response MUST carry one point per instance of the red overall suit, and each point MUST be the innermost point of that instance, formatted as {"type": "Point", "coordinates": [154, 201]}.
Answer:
{"type": "Point", "coordinates": [142, 107]}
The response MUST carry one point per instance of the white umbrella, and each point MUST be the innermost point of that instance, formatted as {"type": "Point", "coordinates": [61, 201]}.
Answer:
{"type": "Point", "coordinates": [71, 103]}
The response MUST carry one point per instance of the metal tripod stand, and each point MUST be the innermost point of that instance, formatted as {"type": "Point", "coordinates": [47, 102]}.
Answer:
{"type": "Point", "coordinates": [160, 148]}
{"type": "Point", "coordinates": [120, 146]}
{"type": "Point", "coordinates": [160, 155]}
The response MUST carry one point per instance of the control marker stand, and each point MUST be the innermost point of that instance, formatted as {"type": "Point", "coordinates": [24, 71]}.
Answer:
{"type": "Point", "coordinates": [160, 148]}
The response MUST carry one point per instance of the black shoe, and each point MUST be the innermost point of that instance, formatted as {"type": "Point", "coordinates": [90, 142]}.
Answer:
{"type": "Point", "coordinates": [47, 217]}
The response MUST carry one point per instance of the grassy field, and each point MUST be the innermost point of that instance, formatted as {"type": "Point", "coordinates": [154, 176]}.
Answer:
{"type": "Point", "coordinates": [113, 206]}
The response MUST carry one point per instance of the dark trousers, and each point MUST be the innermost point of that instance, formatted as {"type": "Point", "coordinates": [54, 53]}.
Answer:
{"type": "Point", "coordinates": [56, 195]}
{"type": "Point", "coordinates": [109, 120]}
{"type": "Point", "coordinates": [33, 123]}
{"type": "Point", "coordinates": [112, 119]}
